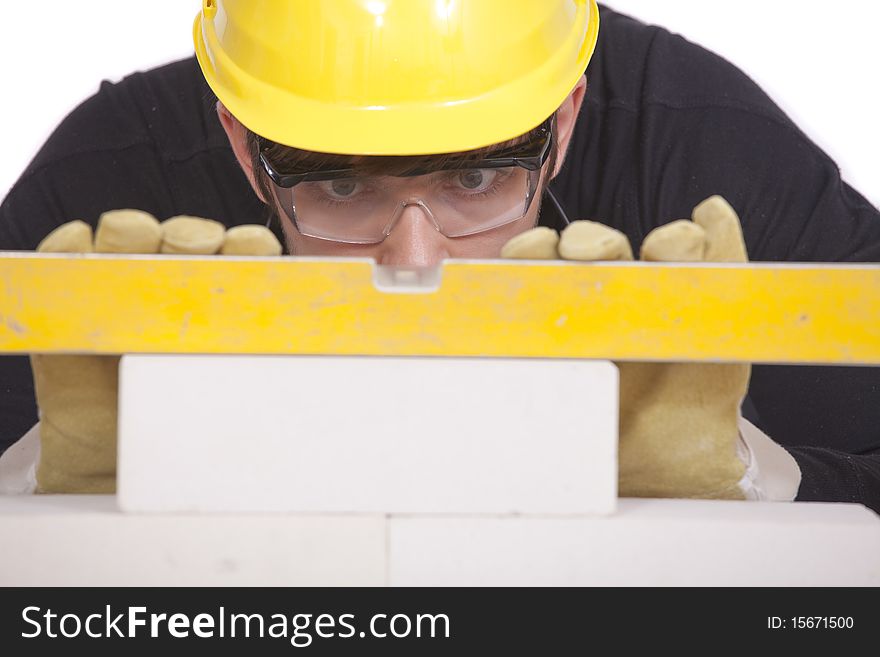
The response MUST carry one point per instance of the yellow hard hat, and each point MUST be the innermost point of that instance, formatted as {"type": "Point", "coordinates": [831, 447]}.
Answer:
{"type": "Point", "coordinates": [394, 77]}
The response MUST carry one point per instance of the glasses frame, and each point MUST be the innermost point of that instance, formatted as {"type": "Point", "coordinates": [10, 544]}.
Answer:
{"type": "Point", "coordinates": [531, 155]}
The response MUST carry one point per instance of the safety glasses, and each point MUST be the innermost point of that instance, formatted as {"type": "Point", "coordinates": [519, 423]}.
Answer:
{"type": "Point", "coordinates": [467, 196]}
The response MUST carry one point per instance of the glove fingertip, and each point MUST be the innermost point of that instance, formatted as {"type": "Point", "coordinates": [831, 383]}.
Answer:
{"type": "Point", "coordinates": [72, 237]}
{"type": "Point", "coordinates": [536, 244]}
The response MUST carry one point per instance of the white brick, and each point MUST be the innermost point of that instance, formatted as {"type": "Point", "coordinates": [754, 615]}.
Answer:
{"type": "Point", "coordinates": [646, 543]}
{"type": "Point", "coordinates": [85, 541]}
{"type": "Point", "coordinates": [367, 435]}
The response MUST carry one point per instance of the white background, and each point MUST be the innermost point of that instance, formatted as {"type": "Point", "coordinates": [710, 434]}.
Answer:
{"type": "Point", "coordinates": [819, 60]}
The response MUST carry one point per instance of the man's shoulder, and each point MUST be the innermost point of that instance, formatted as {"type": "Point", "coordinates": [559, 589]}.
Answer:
{"type": "Point", "coordinates": [638, 65]}
{"type": "Point", "coordinates": [166, 108]}
{"type": "Point", "coordinates": [150, 141]}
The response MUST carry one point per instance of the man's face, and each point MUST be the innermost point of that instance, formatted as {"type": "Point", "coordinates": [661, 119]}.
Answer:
{"type": "Point", "coordinates": [414, 240]}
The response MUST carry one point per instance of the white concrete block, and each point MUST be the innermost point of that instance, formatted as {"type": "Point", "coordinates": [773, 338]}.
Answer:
{"type": "Point", "coordinates": [358, 434]}
{"type": "Point", "coordinates": [86, 541]}
{"type": "Point", "coordinates": [646, 543]}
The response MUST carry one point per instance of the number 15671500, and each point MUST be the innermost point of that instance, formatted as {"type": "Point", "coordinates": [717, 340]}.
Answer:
{"type": "Point", "coordinates": [810, 623]}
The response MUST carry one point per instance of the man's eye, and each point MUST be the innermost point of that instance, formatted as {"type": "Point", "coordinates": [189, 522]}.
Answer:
{"type": "Point", "coordinates": [475, 179]}
{"type": "Point", "coordinates": [337, 190]}
{"type": "Point", "coordinates": [343, 188]}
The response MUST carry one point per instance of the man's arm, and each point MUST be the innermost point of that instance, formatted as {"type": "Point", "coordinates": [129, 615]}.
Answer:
{"type": "Point", "coordinates": [55, 189]}
{"type": "Point", "coordinates": [796, 208]}
{"type": "Point", "coordinates": [150, 142]}
{"type": "Point", "coordinates": [666, 124]}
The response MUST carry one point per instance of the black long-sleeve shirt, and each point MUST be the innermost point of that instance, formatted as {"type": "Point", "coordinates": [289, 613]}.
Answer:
{"type": "Point", "coordinates": [665, 124]}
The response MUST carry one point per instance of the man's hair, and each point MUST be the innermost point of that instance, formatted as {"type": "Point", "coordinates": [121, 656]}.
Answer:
{"type": "Point", "coordinates": [289, 158]}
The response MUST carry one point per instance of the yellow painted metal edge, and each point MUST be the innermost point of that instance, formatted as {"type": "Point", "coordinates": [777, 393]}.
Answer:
{"type": "Point", "coordinates": [632, 311]}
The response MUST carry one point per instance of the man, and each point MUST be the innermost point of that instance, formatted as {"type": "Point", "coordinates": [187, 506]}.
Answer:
{"type": "Point", "coordinates": [661, 126]}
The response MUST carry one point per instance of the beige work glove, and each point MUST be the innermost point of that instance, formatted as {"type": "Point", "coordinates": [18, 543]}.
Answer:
{"type": "Point", "coordinates": [679, 433]}
{"type": "Point", "coordinates": [77, 395]}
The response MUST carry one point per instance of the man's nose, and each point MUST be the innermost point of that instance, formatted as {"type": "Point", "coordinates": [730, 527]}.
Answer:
{"type": "Point", "coordinates": [414, 241]}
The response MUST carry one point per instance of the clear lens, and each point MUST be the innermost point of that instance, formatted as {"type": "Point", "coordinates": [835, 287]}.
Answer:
{"type": "Point", "coordinates": [364, 209]}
